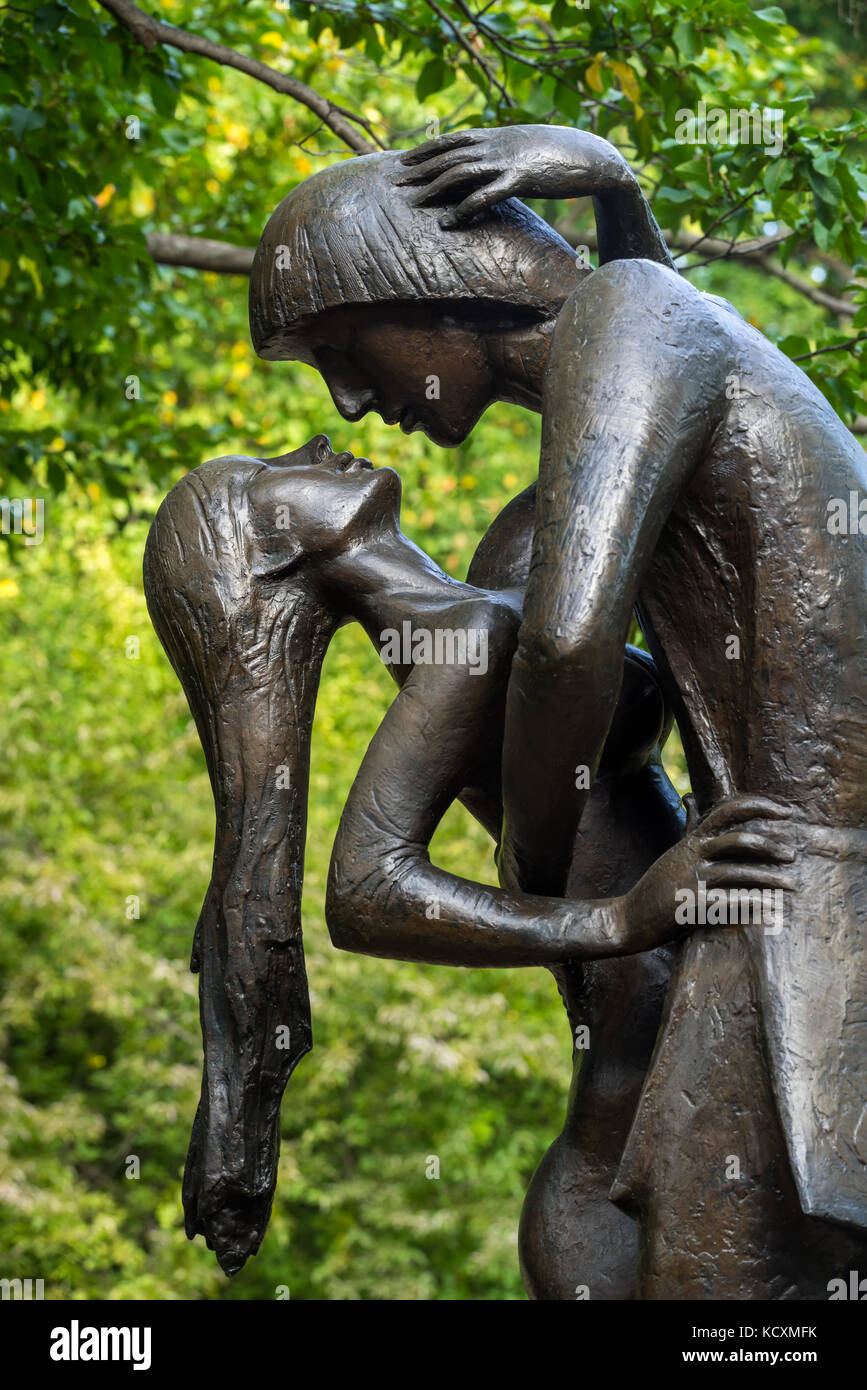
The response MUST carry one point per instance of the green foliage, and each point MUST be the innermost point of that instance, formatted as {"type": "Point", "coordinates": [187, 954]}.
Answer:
{"type": "Point", "coordinates": [105, 799]}
{"type": "Point", "coordinates": [104, 794]}
{"type": "Point", "coordinates": [85, 309]}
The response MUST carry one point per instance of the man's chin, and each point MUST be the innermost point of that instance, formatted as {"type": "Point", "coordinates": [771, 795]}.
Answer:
{"type": "Point", "coordinates": [445, 436]}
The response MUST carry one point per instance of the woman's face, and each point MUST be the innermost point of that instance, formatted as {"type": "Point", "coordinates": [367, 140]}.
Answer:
{"type": "Point", "coordinates": [419, 368]}
{"type": "Point", "coordinates": [315, 503]}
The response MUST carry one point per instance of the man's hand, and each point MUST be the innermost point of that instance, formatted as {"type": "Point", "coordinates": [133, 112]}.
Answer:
{"type": "Point", "coordinates": [471, 170]}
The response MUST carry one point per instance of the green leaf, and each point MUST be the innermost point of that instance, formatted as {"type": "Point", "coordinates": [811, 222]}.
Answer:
{"type": "Point", "coordinates": [23, 120]}
{"type": "Point", "coordinates": [795, 345]}
{"type": "Point", "coordinates": [777, 171]}
{"type": "Point", "coordinates": [433, 78]}
{"type": "Point", "coordinates": [684, 38]}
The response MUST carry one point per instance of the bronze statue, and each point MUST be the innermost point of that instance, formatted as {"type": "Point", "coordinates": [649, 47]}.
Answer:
{"type": "Point", "coordinates": [686, 473]}
{"type": "Point", "coordinates": [245, 607]}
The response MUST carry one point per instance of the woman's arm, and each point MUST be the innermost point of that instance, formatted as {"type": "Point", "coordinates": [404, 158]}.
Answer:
{"type": "Point", "coordinates": [385, 898]}
{"type": "Point", "coordinates": [472, 170]}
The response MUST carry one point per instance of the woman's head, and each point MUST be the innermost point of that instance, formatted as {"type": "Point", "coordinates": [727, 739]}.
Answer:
{"type": "Point", "coordinates": [249, 520]}
{"type": "Point", "coordinates": [399, 314]}
{"type": "Point", "coordinates": [231, 577]}
{"type": "Point", "coordinates": [313, 505]}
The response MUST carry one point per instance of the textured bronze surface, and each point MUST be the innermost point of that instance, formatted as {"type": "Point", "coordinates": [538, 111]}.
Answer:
{"type": "Point", "coordinates": [687, 473]}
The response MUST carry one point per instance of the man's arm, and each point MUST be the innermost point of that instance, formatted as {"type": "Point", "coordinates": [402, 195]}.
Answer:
{"type": "Point", "coordinates": [634, 389]}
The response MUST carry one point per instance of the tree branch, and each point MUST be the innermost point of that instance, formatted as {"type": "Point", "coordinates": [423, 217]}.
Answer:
{"type": "Point", "coordinates": [753, 251]}
{"type": "Point", "coordinates": [200, 253]}
{"type": "Point", "coordinates": [812, 292]}
{"type": "Point", "coordinates": [475, 57]}
{"type": "Point", "coordinates": [848, 345]}
{"type": "Point", "coordinates": [149, 32]}
{"type": "Point", "coordinates": [222, 258]}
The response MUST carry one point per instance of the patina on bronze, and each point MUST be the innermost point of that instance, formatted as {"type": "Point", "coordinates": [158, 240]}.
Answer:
{"type": "Point", "coordinates": [686, 473]}
{"type": "Point", "coordinates": [245, 608]}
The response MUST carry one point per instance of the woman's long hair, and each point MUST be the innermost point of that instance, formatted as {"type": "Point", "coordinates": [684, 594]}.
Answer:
{"type": "Point", "coordinates": [248, 648]}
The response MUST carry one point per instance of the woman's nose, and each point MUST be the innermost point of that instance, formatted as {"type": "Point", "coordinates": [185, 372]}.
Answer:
{"type": "Point", "coordinates": [321, 447]}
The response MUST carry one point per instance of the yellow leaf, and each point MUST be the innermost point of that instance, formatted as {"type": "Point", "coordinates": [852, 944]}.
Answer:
{"type": "Point", "coordinates": [57, 444]}
{"type": "Point", "coordinates": [212, 186]}
{"type": "Point", "coordinates": [142, 202]}
{"type": "Point", "coordinates": [272, 39]}
{"type": "Point", "coordinates": [170, 398]}
{"type": "Point", "coordinates": [94, 491]}
{"type": "Point", "coordinates": [303, 166]}
{"type": "Point", "coordinates": [30, 266]}
{"type": "Point", "coordinates": [37, 400]}
{"type": "Point", "coordinates": [8, 588]}
{"type": "Point", "coordinates": [105, 196]}
{"type": "Point", "coordinates": [628, 80]}
{"type": "Point", "coordinates": [214, 84]}
{"type": "Point", "coordinates": [237, 135]}
{"type": "Point", "coordinates": [593, 77]}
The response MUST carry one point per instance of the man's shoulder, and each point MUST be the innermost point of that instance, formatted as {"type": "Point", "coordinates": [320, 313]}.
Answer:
{"type": "Point", "coordinates": [642, 291]}
{"type": "Point", "coordinates": [641, 278]}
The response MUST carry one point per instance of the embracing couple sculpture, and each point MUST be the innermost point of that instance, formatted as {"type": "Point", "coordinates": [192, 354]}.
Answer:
{"type": "Point", "coordinates": [715, 1143]}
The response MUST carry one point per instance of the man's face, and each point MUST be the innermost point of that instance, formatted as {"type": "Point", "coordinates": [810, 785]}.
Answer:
{"type": "Point", "coordinates": [415, 365]}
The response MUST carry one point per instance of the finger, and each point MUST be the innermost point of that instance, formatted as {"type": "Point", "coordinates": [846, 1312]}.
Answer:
{"type": "Point", "coordinates": [477, 202]}
{"type": "Point", "coordinates": [438, 145]}
{"type": "Point", "coordinates": [746, 844]}
{"type": "Point", "coordinates": [739, 808]}
{"type": "Point", "coordinates": [691, 807]}
{"type": "Point", "coordinates": [727, 874]}
{"type": "Point", "coordinates": [424, 173]}
{"type": "Point", "coordinates": [781, 831]}
{"type": "Point", "coordinates": [466, 176]}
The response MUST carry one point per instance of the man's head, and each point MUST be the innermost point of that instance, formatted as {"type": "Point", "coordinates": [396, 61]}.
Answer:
{"type": "Point", "coordinates": [423, 324]}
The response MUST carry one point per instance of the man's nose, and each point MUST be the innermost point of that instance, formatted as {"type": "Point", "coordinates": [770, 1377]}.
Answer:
{"type": "Point", "coordinates": [352, 401]}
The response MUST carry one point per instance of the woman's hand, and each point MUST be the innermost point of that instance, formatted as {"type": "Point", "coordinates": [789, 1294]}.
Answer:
{"type": "Point", "coordinates": [744, 843]}
{"type": "Point", "coordinates": [472, 170]}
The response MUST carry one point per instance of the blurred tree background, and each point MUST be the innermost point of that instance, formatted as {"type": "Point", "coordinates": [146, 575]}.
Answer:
{"type": "Point", "coordinates": [136, 177]}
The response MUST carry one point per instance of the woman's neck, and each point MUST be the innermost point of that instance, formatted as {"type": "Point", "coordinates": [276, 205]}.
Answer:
{"type": "Point", "coordinates": [390, 579]}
